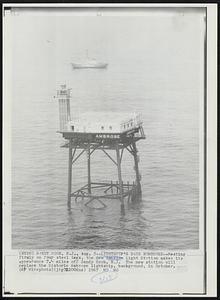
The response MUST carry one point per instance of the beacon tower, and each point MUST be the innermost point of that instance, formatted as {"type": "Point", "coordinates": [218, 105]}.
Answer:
{"type": "Point", "coordinates": [63, 96]}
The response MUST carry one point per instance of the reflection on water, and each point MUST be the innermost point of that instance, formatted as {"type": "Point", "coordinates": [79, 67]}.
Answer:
{"type": "Point", "coordinates": [107, 228]}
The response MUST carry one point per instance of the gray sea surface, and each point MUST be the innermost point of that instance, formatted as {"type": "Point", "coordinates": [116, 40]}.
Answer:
{"type": "Point", "coordinates": [167, 93]}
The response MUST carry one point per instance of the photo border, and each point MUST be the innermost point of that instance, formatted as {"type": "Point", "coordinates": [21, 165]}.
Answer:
{"type": "Point", "coordinates": [205, 146]}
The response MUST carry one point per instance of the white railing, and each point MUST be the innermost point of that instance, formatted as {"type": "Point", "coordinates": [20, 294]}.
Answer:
{"type": "Point", "coordinates": [131, 123]}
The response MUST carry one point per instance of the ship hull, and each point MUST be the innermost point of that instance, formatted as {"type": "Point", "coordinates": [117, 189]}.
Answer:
{"type": "Point", "coordinates": [89, 66]}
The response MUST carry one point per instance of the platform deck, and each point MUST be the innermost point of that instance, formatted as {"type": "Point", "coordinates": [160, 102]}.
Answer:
{"type": "Point", "coordinates": [80, 140]}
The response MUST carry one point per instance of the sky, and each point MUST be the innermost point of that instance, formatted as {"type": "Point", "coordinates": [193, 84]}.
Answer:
{"type": "Point", "coordinates": [44, 42]}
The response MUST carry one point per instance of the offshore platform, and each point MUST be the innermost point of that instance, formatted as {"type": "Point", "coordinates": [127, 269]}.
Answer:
{"type": "Point", "coordinates": [87, 136]}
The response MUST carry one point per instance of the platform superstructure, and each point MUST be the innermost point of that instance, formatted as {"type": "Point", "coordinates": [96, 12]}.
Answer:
{"type": "Point", "coordinates": [106, 136]}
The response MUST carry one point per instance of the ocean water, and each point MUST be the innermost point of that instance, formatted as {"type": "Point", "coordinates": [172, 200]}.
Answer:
{"type": "Point", "coordinates": [168, 99]}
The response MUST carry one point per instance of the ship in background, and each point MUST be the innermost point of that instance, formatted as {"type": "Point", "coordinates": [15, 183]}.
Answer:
{"type": "Point", "coordinates": [89, 63]}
